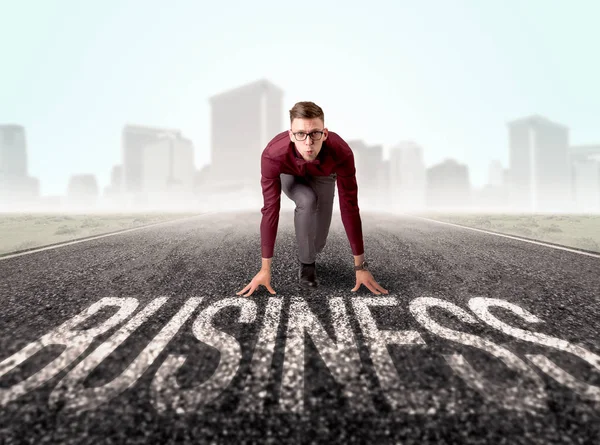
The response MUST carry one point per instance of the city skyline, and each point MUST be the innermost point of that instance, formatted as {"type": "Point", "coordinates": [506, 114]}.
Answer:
{"type": "Point", "coordinates": [356, 144]}
{"type": "Point", "coordinates": [448, 76]}
{"type": "Point", "coordinates": [545, 173]}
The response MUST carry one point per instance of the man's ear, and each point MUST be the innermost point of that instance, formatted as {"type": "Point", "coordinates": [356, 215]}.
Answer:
{"type": "Point", "coordinates": [291, 135]}
{"type": "Point", "coordinates": [325, 133]}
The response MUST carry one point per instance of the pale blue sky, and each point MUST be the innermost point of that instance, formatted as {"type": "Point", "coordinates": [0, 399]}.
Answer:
{"type": "Point", "coordinates": [447, 74]}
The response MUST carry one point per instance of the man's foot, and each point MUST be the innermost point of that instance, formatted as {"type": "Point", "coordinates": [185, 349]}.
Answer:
{"type": "Point", "coordinates": [308, 275]}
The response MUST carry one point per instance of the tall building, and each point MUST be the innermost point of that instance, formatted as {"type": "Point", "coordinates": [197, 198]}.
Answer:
{"type": "Point", "coordinates": [168, 166]}
{"type": "Point", "coordinates": [585, 170]}
{"type": "Point", "coordinates": [370, 168]}
{"type": "Point", "coordinates": [581, 152]}
{"type": "Point", "coordinates": [113, 193]}
{"type": "Point", "coordinates": [493, 196]}
{"type": "Point", "coordinates": [448, 185]}
{"type": "Point", "coordinates": [17, 188]}
{"type": "Point", "coordinates": [158, 165]}
{"type": "Point", "coordinates": [135, 138]}
{"type": "Point", "coordinates": [13, 152]}
{"type": "Point", "coordinates": [116, 179]}
{"type": "Point", "coordinates": [243, 121]}
{"type": "Point", "coordinates": [495, 174]}
{"type": "Point", "coordinates": [82, 191]}
{"type": "Point", "coordinates": [539, 165]}
{"type": "Point", "coordinates": [407, 177]}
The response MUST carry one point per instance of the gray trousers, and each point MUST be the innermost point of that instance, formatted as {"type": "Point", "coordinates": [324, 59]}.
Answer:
{"type": "Point", "coordinates": [313, 196]}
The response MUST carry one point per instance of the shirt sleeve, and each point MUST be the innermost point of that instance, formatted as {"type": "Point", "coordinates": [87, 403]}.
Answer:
{"type": "Point", "coordinates": [271, 190]}
{"type": "Point", "coordinates": [348, 197]}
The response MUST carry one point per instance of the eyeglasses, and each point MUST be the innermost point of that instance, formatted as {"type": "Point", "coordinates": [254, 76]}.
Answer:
{"type": "Point", "coordinates": [314, 135]}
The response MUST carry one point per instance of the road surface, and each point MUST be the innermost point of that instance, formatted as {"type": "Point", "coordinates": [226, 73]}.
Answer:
{"type": "Point", "coordinates": [139, 337]}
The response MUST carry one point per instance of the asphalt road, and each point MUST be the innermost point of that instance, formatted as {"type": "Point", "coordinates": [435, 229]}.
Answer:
{"type": "Point", "coordinates": [140, 338]}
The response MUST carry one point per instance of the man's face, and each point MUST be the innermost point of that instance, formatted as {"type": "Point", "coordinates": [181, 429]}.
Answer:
{"type": "Point", "coordinates": [308, 148]}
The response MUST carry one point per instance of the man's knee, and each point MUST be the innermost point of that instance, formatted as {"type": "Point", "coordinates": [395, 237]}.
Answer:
{"type": "Point", "coordinates": [306, 202]}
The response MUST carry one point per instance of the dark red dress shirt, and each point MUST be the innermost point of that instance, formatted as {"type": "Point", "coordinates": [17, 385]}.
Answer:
{"type": "Point", "coordinates": [281, 156]}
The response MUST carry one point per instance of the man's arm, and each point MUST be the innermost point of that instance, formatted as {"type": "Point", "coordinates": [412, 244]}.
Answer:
{"type": "Point", "coordinates": [348, 191]}
{"type": "Point", "coordinates": [350, 212]}
{"type": "Point", "coordinates": [358, 259]}
{"type": "Point", "coordinates": [271, 190]}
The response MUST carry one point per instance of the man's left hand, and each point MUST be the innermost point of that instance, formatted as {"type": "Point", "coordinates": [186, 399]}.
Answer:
{"type": "Point", "coordinates": [365, 277]}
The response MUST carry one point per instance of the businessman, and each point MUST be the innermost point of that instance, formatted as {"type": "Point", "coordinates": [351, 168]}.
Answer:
{"type": "Point", "coordinates": [306, 162]}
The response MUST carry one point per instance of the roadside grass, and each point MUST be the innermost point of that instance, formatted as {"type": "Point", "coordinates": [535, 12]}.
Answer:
{"type": "Point", "coordinates": [26, 231]}
{"type": "Point", "coordinates": [581, 231]}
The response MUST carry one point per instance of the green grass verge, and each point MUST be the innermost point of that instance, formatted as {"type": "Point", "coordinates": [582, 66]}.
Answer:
{"type": "Point", "coordinates": [578, 231]}
{"type": "Point", "coordinates": [26, 231]}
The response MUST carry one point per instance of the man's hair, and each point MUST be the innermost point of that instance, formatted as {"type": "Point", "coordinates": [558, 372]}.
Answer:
{"type": "Point", "coordinates": [306, 110]}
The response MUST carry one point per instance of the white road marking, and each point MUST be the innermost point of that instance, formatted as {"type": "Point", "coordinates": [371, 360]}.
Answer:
{"type": "Point", "coordinates": [540, 243]}
{"type": "Point", "coordinates": [71, 388]}
{"type": "Point", "coordinates": [255, 389]}
{"type": "Point", "coordinates": [400, 398]}
{"type": "Point", "coordinates": [166, 392]}
{"type": "Point", "coordinates": [480, 306]}
{"type": "Point", "coordinates": [68, 243]}
{"type": "Point", "coordinates": [528, 394]}
{"type": "Point", "coordinates": [76, 341]}
{"type": "Point", "coordinates": [341, 357]}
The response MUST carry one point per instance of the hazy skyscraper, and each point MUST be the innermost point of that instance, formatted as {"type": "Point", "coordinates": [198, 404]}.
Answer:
{"type": "Point", "coordinates": [82, 191]}
{"type": "Point", "coordinates": [158, 165]}
{"type": "Point", "coordinates": [17, 188]}
{"type": "Point", "coordinates": [582, 152]}
{"type": "Point", "coordinates": [168, 169]}
{"type": "Point", "coordinates": [539, 165]}
{"type": "Point", "coordinates": [586, 185]}
{"type": "Point", "coordinates": [134, 139]}
{"type": "Point", "coordinates": [585, 168]}
{"type": "Point", "coordinates": [407, 177]}
{"type": "Point", "coordinates": [492, 196]}
{"type": "Point", "coordinates": [448, 185]}
{"type": "Point", "coordinates": [495, 174]}
{"type": "Point", "coordinates": [368, 160]}
{"type": "Point", "coordinates": [116, 179]}
{"type": "Point", "coordinates": [13, 152]}
{"type": "Point", "coordinates": [243, 121]}
{"type": "Point", "coordinates": [113, 192]}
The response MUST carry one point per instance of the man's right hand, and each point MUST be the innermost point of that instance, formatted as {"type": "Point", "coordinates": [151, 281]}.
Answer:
{"type": "Point", "coordinates": [263, 277]}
